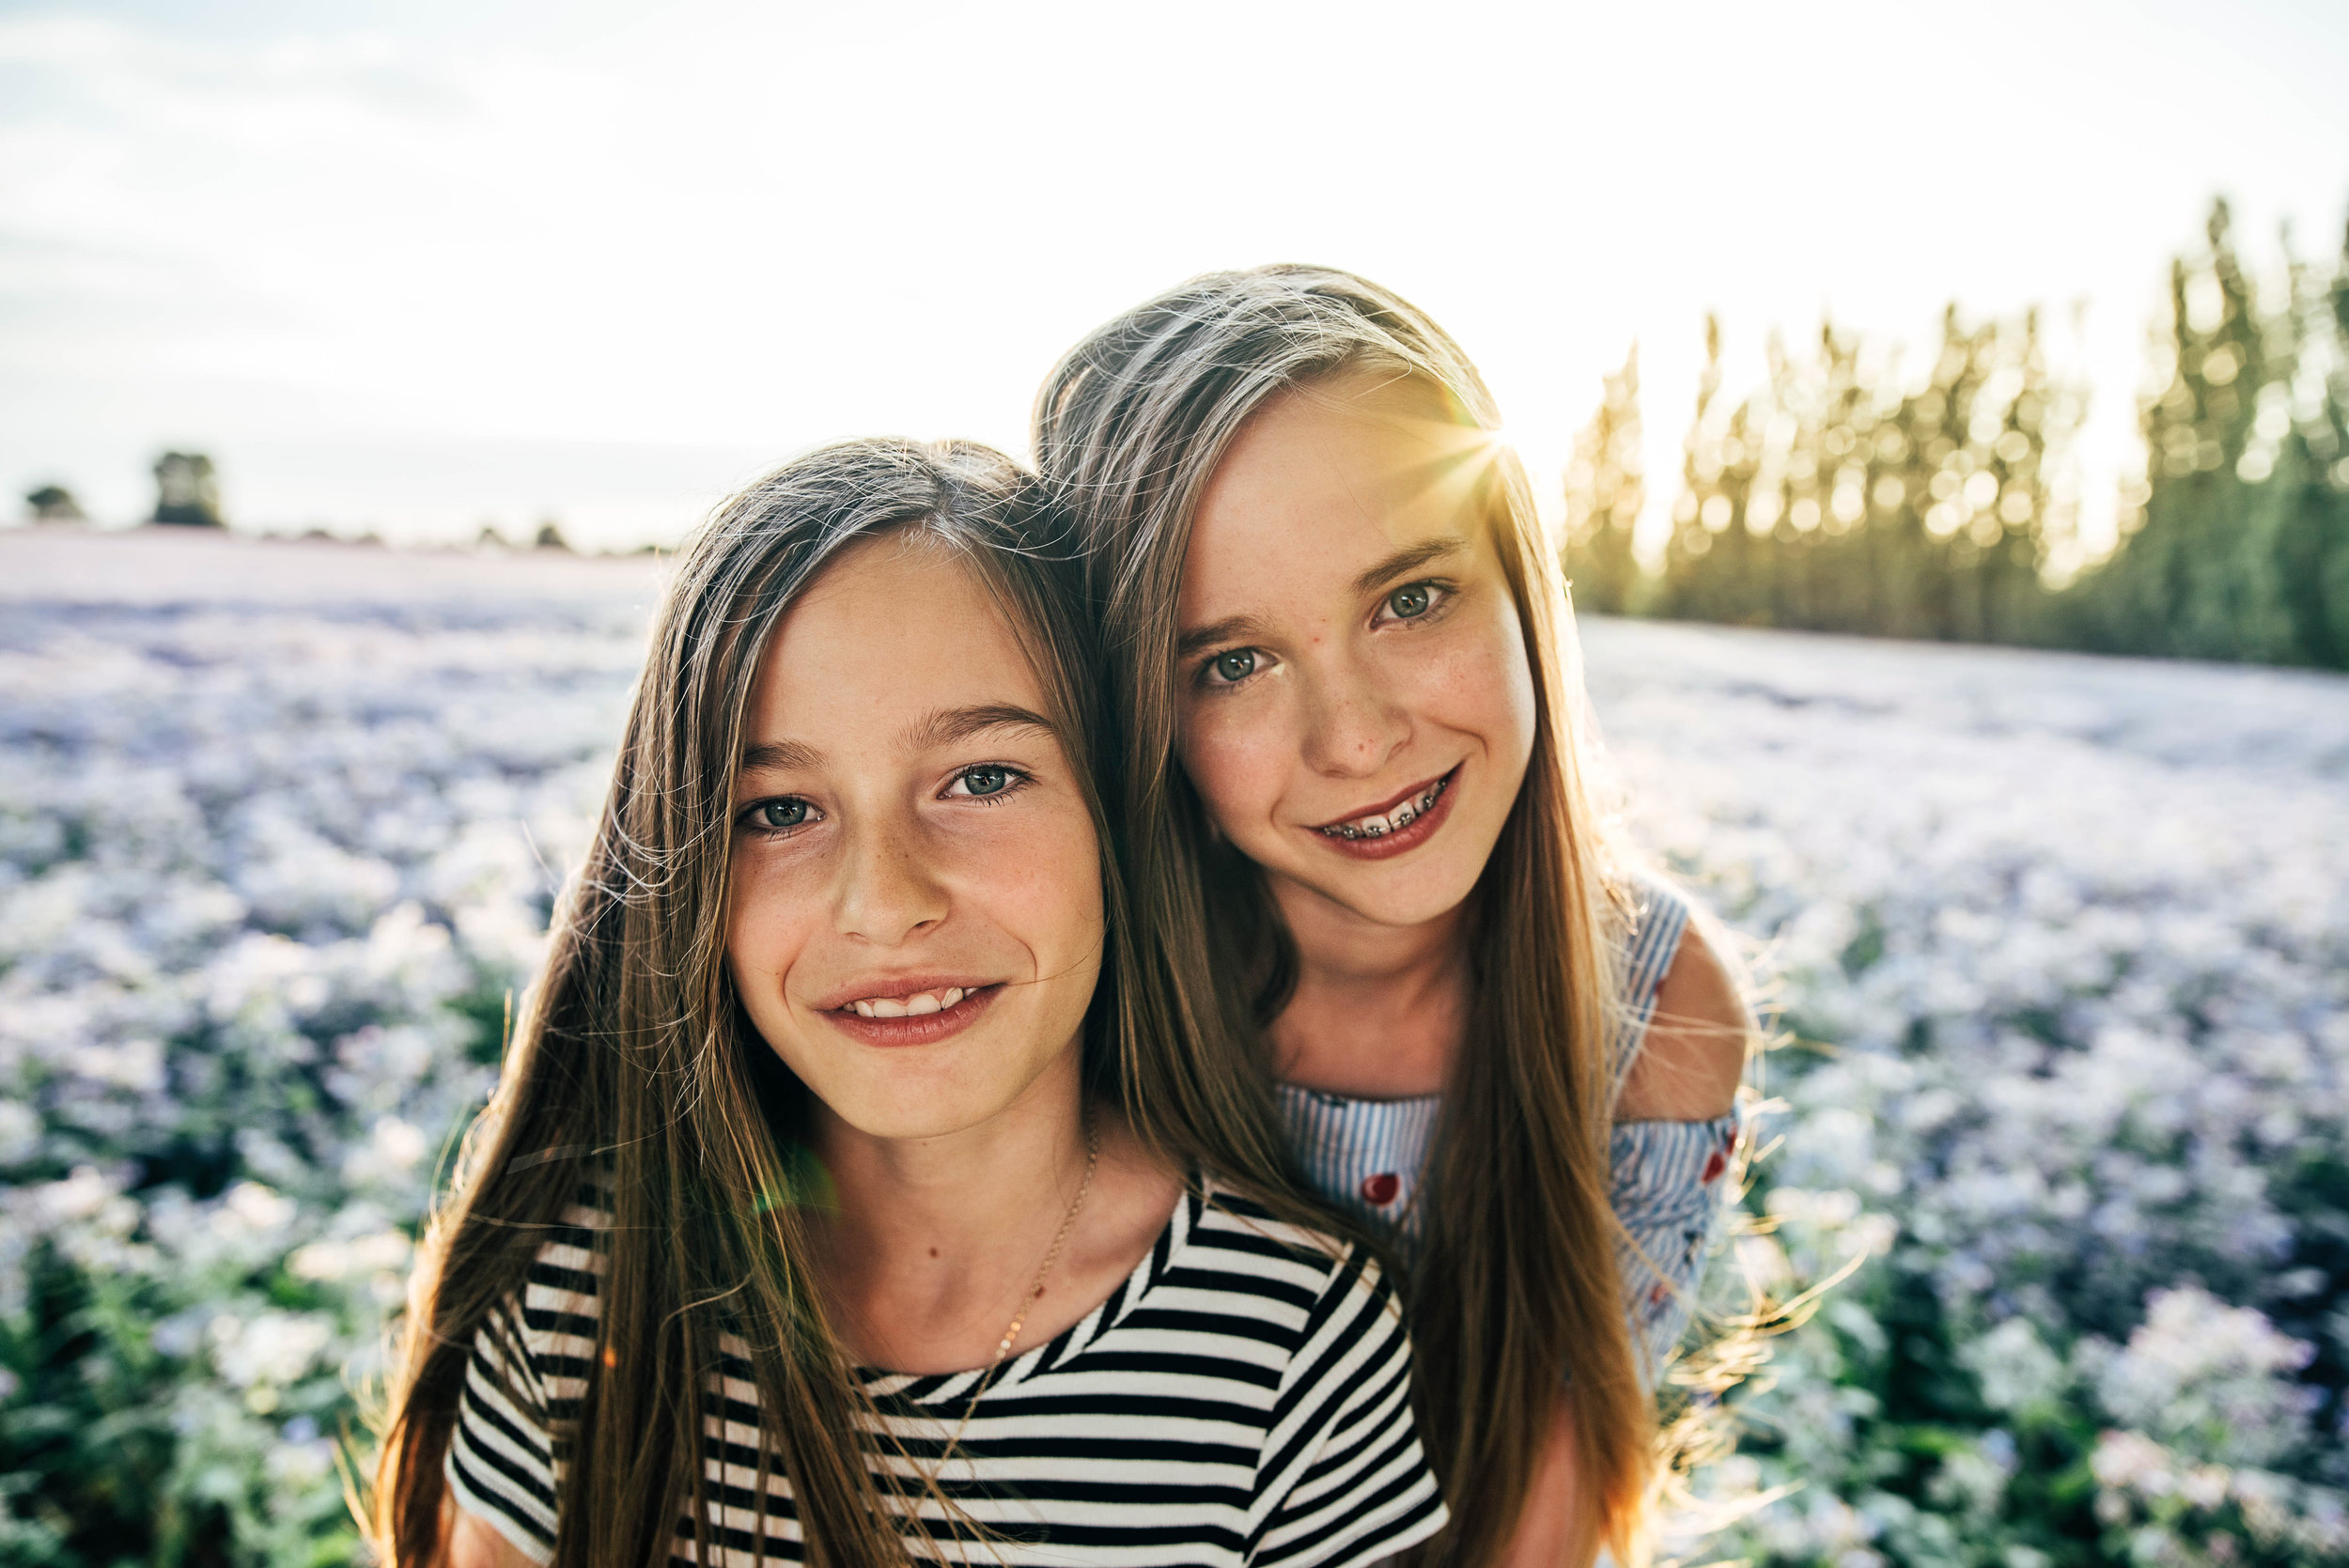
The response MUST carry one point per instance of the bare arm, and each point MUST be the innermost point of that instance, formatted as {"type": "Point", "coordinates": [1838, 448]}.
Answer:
{"type": "Point", "coordinates": [1551, 1532]}
{"type": "Point", "coordinates": [1688, 1068]}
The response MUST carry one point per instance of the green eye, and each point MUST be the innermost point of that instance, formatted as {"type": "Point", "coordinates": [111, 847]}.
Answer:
{"type": "Point", "coordinates": [1237, 665]}
{"type": "Point", "coordinates": [985, 780]}
{"type": "Point", "coordinates": [781, 814]}
{"type": "Point", "coordinates": [1411, 603]}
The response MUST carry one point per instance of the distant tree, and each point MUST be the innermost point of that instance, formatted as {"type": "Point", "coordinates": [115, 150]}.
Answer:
{"type": "Point", "coordinates": [54, 503]}
{"type": "Point", "coordinates": [1835, 500]}
{"type": "Point", "coordinates": [187, 492]}
{"type": "Point", "coordinates": [1709, 573]}
{"type": "Point", "coordinates": [2191, 578]}
{"type": "Point", "coordinates": [550, 537]}
{"type": "Point", "coordinates": [1606, 487]}
{"type": "Point", "coordinates": [2312, 472]}
{"type": "Point", "coordinates": [2237, 544]}
{"type": "Point", "coordinates": [1991, 514]}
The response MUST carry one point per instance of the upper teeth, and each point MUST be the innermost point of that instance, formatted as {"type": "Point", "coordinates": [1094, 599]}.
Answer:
{"type": "Point", "coordinates": [1380, 824]}
{"type": "Point", "coordinates": [907, 1007]}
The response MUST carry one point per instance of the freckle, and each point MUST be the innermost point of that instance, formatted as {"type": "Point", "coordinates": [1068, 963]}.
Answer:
{"type": "Point", "coordinates": [933, 1252]}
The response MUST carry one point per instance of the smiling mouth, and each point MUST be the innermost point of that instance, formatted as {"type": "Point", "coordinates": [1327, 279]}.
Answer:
{"type": "Point", "coordinates": [1394, 819]}
{"type": "Point", "coordinates": [908, 1018]}
{"type": "Point", "coordinates": [917, 1005]}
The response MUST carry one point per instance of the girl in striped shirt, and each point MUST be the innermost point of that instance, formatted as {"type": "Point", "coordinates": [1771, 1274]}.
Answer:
{"type": "Point", "coordinates": [838, 1204]}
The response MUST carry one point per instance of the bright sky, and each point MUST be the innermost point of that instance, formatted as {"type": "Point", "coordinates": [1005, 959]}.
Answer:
{"type": "Point", "coordinates": [418, 267]}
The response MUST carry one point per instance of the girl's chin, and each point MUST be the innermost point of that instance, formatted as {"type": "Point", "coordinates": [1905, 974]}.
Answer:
{"type": "Point", "coordinates": [958, 1086]}
{"type": "Point", "coordinates": [1385, 893]}
{"type": "Point", "coordinates": [942, 1109]}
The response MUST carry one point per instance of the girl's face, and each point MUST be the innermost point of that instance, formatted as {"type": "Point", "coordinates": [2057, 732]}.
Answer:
{"type": "Point", "coordinates": [1357, 707]}
{"type": "Point", "coordinates": [915, 919]}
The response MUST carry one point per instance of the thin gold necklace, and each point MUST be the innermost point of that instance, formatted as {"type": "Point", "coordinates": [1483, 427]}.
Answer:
{"type": "Point", "coordinates": [1069, 1222]}
{"type": "Point", "coordinates": [1020, 1318]}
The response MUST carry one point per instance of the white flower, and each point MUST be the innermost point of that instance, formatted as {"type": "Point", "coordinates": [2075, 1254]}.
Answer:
{"type": "Point", "coordinates": [136, 1064]}
{"type": "Point", "coordinates": [249, 1207]}
{"type": "Point", "coordinates": [275, 1348]}
{"type": "Point", "coordinates": [2210, 1380]}
{"type": "Point", "coordinates": [20, 1131]}
{"type": "Point", "coordinates": [338, 1260]}
{"type": "Point", "coordinates": [392, 1150]}
{"type": "Point", "coordinates": [2017, 1370]}
{"type": "Point", "coordinates": [81, 1196]}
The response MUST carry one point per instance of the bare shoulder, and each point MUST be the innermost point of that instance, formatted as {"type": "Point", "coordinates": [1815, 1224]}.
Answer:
{"type": "Point", "coordinates": [1688, 1067]}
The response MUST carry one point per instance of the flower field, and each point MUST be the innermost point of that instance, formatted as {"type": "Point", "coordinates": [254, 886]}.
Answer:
{"type": "Point", "coordinates": [2064, 945]}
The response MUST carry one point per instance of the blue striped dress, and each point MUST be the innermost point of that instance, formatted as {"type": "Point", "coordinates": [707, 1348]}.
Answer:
{"type": "Point", "coordinates": [1370, 1156]}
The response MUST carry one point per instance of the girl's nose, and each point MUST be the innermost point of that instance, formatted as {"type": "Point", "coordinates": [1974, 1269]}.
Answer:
{"type": "Point", "coordinates": [887, 893]}
{"type": "Point", "coordinates": [1352, 729]}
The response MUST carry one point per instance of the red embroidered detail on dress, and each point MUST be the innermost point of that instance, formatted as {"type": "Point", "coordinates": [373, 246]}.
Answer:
{"type": "Point", "coordinates": [1381, 1189]}
{"type": "Point", "coordinates": [1715, 1163]}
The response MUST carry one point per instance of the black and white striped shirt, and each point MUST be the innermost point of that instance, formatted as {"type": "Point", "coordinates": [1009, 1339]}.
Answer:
{"type": "Point", "coordinates": [1243, 1398]}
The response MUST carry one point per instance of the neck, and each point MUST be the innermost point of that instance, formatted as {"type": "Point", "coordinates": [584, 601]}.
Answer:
{"type": "Point", "coordinates": [1379, 1011]}
{"type": "Point", "coordinates": [937, 1241]}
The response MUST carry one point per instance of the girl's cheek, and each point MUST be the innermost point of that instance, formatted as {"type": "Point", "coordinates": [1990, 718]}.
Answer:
{"type": "Point", "coordinates": [1447, 686]}
{"type": "Point", "coordinates": [766, 913]}
{"type": "Point", "coordinates": [1239, 762]}
{"type": "Point", "coordinates": [1479, 683]}
{"type": "Point", "coordinates": [1036, 873]}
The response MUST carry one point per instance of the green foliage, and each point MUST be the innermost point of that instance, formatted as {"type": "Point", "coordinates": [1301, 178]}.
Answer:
{"type": "Point", "coordinates": [1835, 500]}
{"type": "Point", "coordinates": [1840, 497]}
{"type": "Point", "coordinates": [2238, 544]}
{"type": "Point", "coordinates": [53, 503]}
{"type": "Point", "coordinates": [113, 1452]}
{"type": "Point", "coordinates": [1605, 486]}
{"type": "Point", "coordinates": [187, 490]}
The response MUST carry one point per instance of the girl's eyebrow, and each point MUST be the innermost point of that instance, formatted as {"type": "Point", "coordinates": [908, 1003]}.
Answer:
{"type": "Point", "coordinates": [779, 756]}
{"type": "Point", "coordinates": [944, 727]}
{"type": "Point", "coordinates": [1410, 558]}
{"type": "Point", "coordinates": [948, 726]}
{"type": "Point", "coordinates": [1231, 628]}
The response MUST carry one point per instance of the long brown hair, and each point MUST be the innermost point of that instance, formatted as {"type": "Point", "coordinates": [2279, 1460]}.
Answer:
{"type": "Point", "coordinates": [634, 1070]}
{"type": "Point", "coordinates": [1129, 426]}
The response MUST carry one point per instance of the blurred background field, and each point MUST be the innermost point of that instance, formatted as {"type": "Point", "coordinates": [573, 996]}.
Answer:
{"type": "Point", "coordinates": [1843, 341]}
{"type": "Point", "coordinates": [2064, 941]}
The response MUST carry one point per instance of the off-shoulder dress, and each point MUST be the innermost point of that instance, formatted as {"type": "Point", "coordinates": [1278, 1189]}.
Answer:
{"type": "Point", "coordinates": [1666, 1178]}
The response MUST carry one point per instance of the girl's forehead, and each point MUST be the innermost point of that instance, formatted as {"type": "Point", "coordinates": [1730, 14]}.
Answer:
{"type": "Point", "coordinates": [895, 625]}
{"type": "Point", "coordinates": [1363, 442]}
{"type": "Point", "coordinates": [1318, 485]}
{"type": "Point", "coordinates": [902, 576]}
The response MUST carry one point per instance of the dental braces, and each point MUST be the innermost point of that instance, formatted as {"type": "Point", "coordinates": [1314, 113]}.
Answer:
{"type": "Point", "coordinates": [1410, 814]}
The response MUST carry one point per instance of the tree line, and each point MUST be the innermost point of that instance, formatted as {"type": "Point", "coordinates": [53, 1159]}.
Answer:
{"type": "Point", "coordinates": [1842, 496]}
